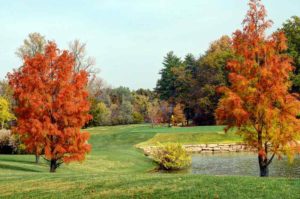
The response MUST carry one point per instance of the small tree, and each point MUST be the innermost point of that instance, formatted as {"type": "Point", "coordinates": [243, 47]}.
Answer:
{"type": "Point", "coordinates": [125, 113]}
{"type": "Point", "coordinates": [52, 106]}
{"type": "Point", "coordinates": [82, 61]}
{"type": "Point", "coordinates": [154, 113]}
{"type": "Point", "coordinates": [140, 105]}
{"type": "Point", "coordinates": [178, 115]}
{"type": "Point", "coordinates": [5, 114]}
{"type": "Point", "coordinates": [6, 92]}
{"type": "Point", "coordinates": [35, 43]}
{"type": "Point", "coordinates": [114, 109]}
{"type": "Point", "coordinates": [101, 114]}
{"type": "Point", "coordinates": [164, 107]}
{"type": "Point", "coordinates": [258, 102]}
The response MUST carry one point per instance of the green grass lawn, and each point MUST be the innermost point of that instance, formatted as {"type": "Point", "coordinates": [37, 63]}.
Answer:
{"type": "Point", "coordinates": [193, 135]}
{"type": "Point", "coordinates": [117, 169]}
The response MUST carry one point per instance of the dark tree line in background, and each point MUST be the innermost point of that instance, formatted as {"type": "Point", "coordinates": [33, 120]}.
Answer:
{"type": "Point", "coordinates": [291, 28]}
{"type": "Point", "coordinates": [192, 81]}
{"type": "Point", "coordinates": [185, 93]}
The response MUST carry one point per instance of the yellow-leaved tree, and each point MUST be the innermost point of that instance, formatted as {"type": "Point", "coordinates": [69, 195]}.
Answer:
{"type": "Point", "coordinates": [5, 113]}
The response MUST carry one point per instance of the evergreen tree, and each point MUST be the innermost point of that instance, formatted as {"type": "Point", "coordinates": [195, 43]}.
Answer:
{"type": "Point", "coordinates": [166, 85]}
{"type": "Point", "coordinates": [291, 28]}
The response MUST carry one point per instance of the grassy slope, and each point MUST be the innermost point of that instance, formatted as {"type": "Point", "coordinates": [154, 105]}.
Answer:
{"type": "Point", "coordinates": [115, 169]}
{"type": "Point", "coordinates": [193, 135]}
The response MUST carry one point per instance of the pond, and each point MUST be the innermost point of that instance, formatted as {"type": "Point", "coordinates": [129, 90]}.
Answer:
{"type": "Point", "coordinates": [244, 164]}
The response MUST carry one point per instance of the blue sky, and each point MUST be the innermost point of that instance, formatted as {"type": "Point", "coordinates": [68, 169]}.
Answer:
{"type": "Point", "coordinates": [128, 38]}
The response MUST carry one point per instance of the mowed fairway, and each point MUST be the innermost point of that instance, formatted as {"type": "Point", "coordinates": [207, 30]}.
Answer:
{"type": "Point", "coordinates": [116, 169]}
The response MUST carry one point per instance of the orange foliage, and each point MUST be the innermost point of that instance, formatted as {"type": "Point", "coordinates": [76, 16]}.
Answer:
{"type": "Point", "coordinates": [178, 116]}
{"type": "Point", "coordinates": [52, 106]}
{"type": "Point", "coordinates": [258, 101]}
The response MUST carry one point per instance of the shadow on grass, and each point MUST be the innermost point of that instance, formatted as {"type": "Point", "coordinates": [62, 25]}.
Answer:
{"type": "Point", "coordinates": [16, 168]}
{"type": "Point", "coordinates": [19, 160]}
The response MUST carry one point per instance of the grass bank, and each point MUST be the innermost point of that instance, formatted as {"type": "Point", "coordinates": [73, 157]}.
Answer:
{"type": "Point", "coordinates": [116, 169]}
{"type": "Point", "coordinates": [193, 135]}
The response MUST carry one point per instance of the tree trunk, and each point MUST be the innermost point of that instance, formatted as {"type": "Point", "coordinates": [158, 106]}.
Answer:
{"type": "Point", "coordinates": [264, 171]}
{"type": "Point", "coordinates": [263, 157]}
{"type": "Point", "coordinates": [53, 165]}
{"type": "Point", "coordinates": [263, 166]}
{"type": "Point", "coordinates": [169, 123]}
{"type": "Point", "coordinates": [171, 114]}
{"type": "Point", "coordinates": [37, 159]}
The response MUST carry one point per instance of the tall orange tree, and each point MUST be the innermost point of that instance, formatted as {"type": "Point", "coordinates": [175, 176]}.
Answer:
{"type": "Point", "coordinates": [52, 106]}
{"type": "Point", "coordinates": [257, 101]}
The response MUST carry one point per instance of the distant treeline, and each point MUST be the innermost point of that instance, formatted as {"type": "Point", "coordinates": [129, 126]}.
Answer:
{"type": "Point", "coordinates": [185, 93]}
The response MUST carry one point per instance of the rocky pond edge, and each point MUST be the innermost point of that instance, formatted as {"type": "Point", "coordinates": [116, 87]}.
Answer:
{"type": "Point", "coordinates": [203, 148]}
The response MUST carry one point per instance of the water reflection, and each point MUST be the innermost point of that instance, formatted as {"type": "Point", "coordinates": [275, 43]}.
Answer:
{"type": "Point", "coordinates": [241, 164]}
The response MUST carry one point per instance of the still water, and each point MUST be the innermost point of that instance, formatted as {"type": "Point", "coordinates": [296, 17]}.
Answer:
{"type": "Point", "coordinates": [244, 164]}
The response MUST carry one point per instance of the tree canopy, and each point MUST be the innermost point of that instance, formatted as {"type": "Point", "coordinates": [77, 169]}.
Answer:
{"type": "Point", "coordinates": [52, 106]}
{"type": "Point", "coordinates": [257, 100]}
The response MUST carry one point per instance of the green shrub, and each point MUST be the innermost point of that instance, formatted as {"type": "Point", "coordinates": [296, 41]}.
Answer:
{"type": "Point", "coordinates": [21, 148]}
{"type": "Point", "coordinates": [137, 118]}
{"type": "Point", "coordinates": [171, 156]}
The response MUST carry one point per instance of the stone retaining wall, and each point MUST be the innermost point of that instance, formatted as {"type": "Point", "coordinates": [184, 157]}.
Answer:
{"type": "Point", "coordinates": [232, 147]}
{"type": "Point", "coordinates": [202, 148]}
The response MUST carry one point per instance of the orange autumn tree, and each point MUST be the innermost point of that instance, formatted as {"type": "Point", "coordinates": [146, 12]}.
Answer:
{"type": "Point", "coordinates": [257, 101]}
{"type": "Point", "coordinates": [52, 106]}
